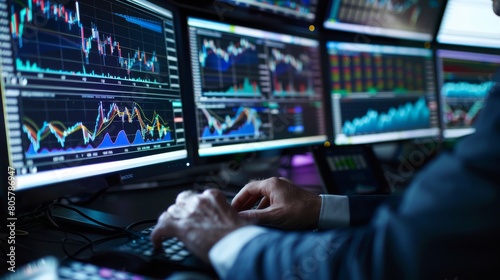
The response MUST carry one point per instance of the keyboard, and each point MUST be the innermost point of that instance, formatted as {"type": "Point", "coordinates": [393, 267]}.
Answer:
{"type": "Point", "coordinates": [173, 253]}
{"type": "Point", "coordinates": [85, 271]}
{"type": "Point", "coordinates": [50, 268]}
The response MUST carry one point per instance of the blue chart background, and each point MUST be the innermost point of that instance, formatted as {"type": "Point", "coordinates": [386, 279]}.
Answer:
{"type": "Point", "coordinates": [356, 109]}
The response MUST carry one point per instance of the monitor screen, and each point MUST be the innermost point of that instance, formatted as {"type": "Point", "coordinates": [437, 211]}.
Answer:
{"type": "Point", "coordinates": [300, 9]}
{"type": "Point", "coordinates": [89, 88]}
{"type": "Point", "coordinates": [407, 19]}
{"type": "Point", "coordinates": [253, 89]}
{"type": "Point", "coordinates": [382, 93]}
{"type": "Point", "coordinates": [470, 23]}
{"type": "Point", "coordinates": [465, 80]}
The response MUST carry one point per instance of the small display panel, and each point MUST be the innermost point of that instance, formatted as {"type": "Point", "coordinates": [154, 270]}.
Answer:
{"type": "Point", "coordinates": [470, 23]}
{"type": "Point", "coordinates": [406, 19]}
{"type": "Point", "coordinates": [299, 9]}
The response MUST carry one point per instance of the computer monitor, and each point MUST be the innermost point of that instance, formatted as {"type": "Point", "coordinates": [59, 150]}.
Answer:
{"type": "Point", "coordinates": [469, 23]}
{"type": "Point", "coordinates": [298, 9]}
{"type": "Point", "coordinates": [465, 78]}
{"type": "Point", "coordinates": [90, 89]}
{"type": "Point", "coordinates": [409, 19]}
{"type": "Point", "coordinates": [253, 89]}
{"type": "Point", "coordinates": [382, 93]}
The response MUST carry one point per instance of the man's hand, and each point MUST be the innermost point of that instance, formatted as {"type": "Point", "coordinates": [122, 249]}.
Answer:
{"type": "Point", "coordinates": [198, 220]}
{"type": "Point", "coordinates": [282, 204]}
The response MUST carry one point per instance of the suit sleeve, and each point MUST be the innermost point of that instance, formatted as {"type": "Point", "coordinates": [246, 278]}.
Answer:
{"type": "Point", "coordinates": [447, 226]}
{"type": "Point", "coordinates": [363, 207]}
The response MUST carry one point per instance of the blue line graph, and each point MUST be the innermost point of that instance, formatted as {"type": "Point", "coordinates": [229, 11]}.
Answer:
{"type": "Point", "coordinates": [245, 122]}
{"type": "Point", "coordinates": [464, 89]}
{"type": "Point", "coordinates": [144, 127]}
{"type": "Point", "coordinates": [107, 143]}
{"type": "Point", "coordinates": [227, 64]}
{"type": "Point", "coordinates": [148, 24]}
{"type": "Point", "coordinates": [406, 117]}
{"type": "Point", "coordinates": [222, 60]}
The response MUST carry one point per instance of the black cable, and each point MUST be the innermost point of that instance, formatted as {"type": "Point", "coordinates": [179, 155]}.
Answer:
{"type": "Point", "coordinates": [38, 210]}
{"type": "Point", "coordinates": [90, 245]}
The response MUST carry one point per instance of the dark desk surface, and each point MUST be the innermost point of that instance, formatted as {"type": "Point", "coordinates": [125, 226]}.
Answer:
{"type": "Point", "coordinates": [38, 238]}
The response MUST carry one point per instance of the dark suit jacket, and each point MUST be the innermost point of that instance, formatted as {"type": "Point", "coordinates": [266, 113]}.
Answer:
{"type": "Point", "coordinates": [447, 225]}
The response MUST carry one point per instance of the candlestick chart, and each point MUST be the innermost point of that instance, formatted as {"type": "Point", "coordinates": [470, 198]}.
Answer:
{"type": "Point", "coordinates": [76, 39]}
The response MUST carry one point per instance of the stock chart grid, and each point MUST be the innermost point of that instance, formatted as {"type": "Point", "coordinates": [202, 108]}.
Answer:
{"type": "Point", "coordinates": [86, 83]}
{"type": "Point", "coordinates": [379, 93]}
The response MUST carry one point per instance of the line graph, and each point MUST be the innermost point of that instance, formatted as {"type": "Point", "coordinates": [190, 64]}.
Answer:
{"type": "Point", "coordinates": [299, 8]}
{"type": "Point", "coordinates": [382, 116]}
{"type": "Point", "coordinates": [233, 123]}
{"type": "Point", "coordinates": [77, 39]}
{"type": "Point", "coordinates": [465, 89]}
{"type": "Point", "coordinates": [90, 125]}
{"type": "Point", "coordinates": [290, 72]}
{"type": "Point", "coordinates": [230, 66]}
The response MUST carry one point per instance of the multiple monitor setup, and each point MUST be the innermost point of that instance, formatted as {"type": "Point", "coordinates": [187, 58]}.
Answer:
{"type": "Point", "coordinates": [97, 91]}
{"type": "Point", "coordinates": [94, 94]}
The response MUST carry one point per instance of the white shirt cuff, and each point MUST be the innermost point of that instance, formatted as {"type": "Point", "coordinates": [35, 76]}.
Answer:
{"type": "Point", "coordinates": [224, 253]}
{"type": "Point", "coordinates": [334, 211]}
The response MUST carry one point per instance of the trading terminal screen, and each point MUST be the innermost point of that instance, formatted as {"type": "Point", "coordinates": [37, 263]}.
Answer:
{"type": "Point", "coordinates": [253, 89]}
{"type": "Point", "coordinates": [382, 93]}
{"type": "Point", "coordinates": [91, 87]}
{"type": "Point", "coordinates": [405, 19]}
{"type": "Point", "coordinates": [465, 81]}
{"type": "Point", "coordinates": [470, 23]}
